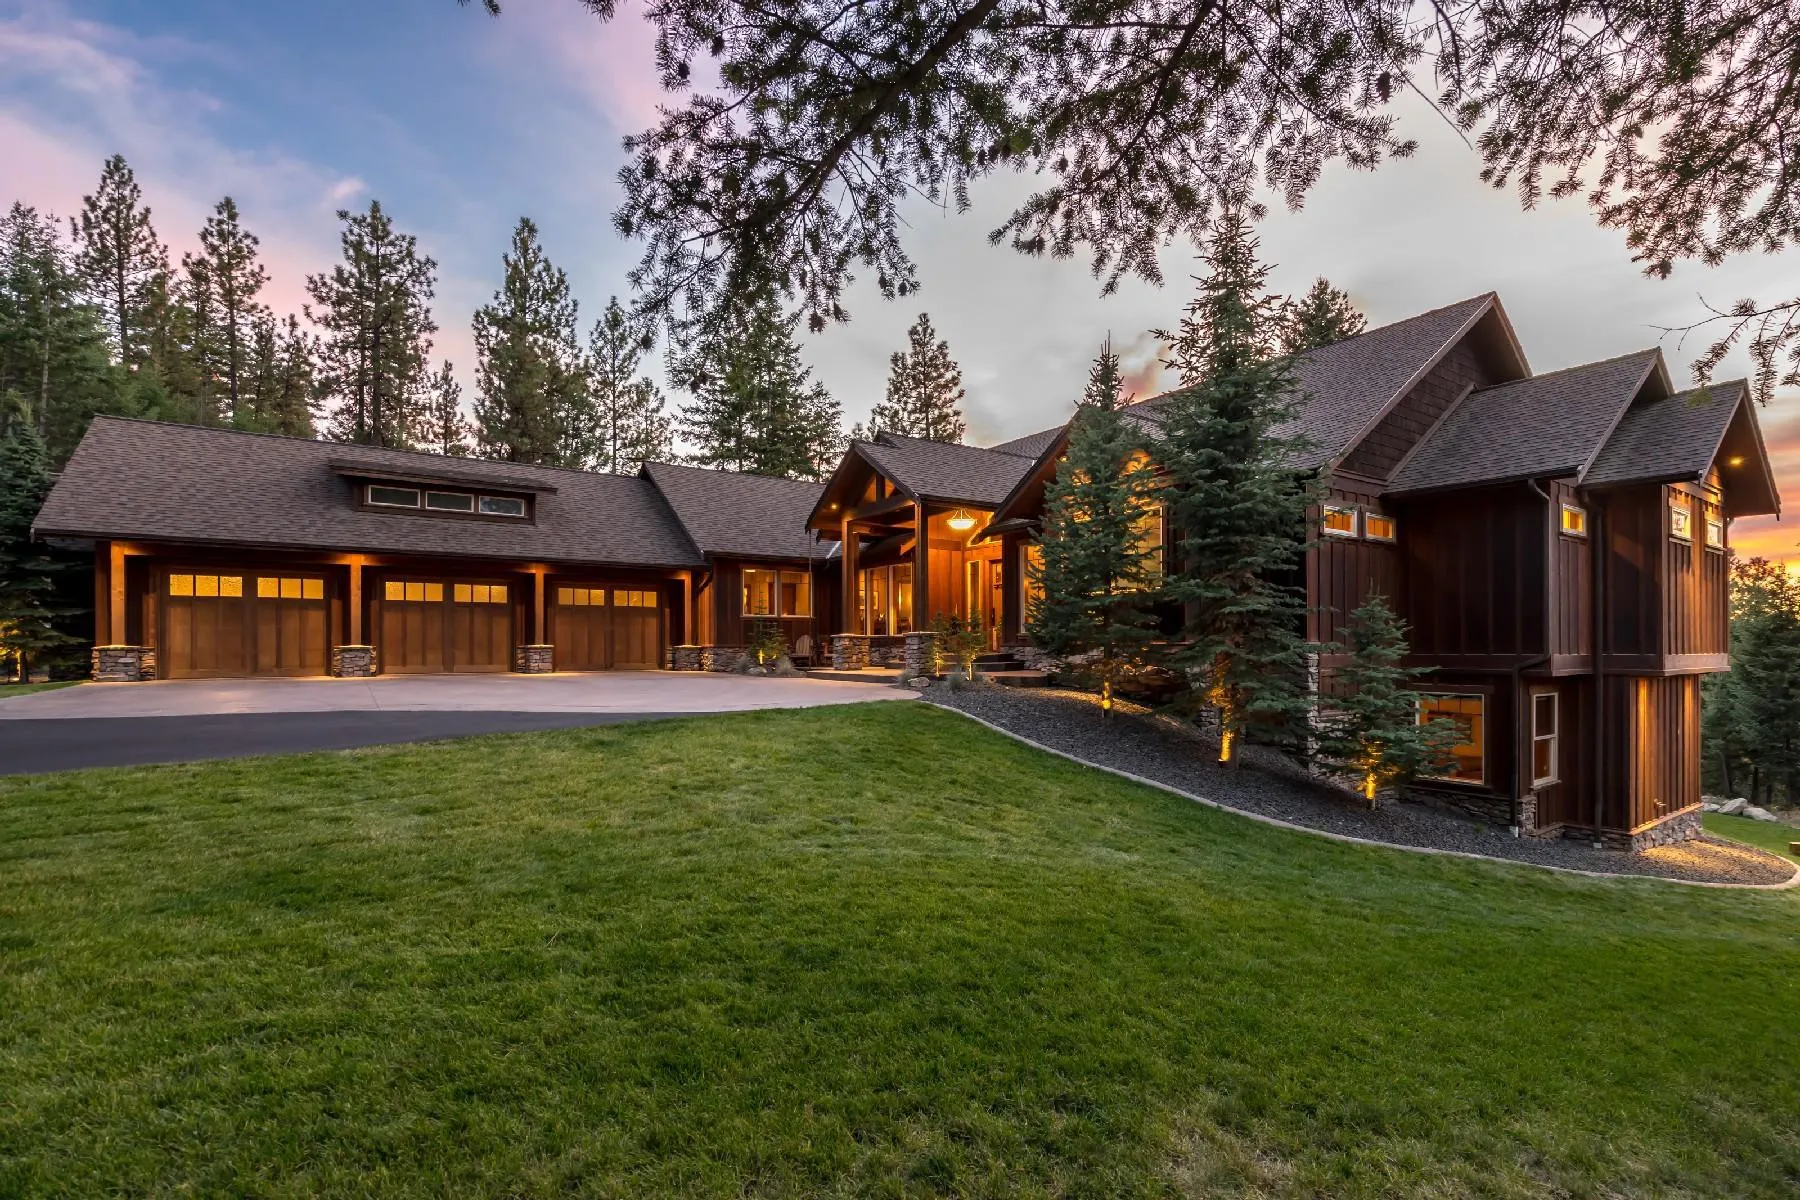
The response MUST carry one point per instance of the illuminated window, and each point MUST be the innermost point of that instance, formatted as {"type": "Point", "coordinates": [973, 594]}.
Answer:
{"type": "Point", "coordinates": [227, 587]}
{"type": "Point", "coordinates": [903, 598]}
{"type": "Point", "coordinates": [762, 588]}
{"type": "Point", "coordinates": [1543, 738]}
{"type": "Point", "coordinates": [1715, 531]}
{"type": "Point", "coordinates": [1031, 581]}
{"type": "Point", "coordinates": [413, 590]}
{"type": "Point", "coordinates": [796, 594]}
{"type": "Point", "coordinates": [502, 506]}
{"type": "Point", "coordinates": [450, 501]}
{"type": "Point", "coordinates": [473, 593]}
{"type": "Point", "coordinates": [393, 497]}
{"type": "Point", "coordinates": [1339, 521]}
{"type": "Point", "coordinates": [581, 597]}
{"type": "Point", "coordinates": [181, 585]}
{"type": "Point", "coordinates": [1148, 539]}
{"type": "Point", "coordinates": [269, 587]}
{"type": "Point", "coordinates": [634, 599]}
{"type": "Point", "coordinates": [1574, 520]}
{"type": "Point", "coordinates": [1378, 527]}
{"type": "Point", "coordinates": [1468, 714]}
{"type": "Point", "coordinates": [1681, 517]}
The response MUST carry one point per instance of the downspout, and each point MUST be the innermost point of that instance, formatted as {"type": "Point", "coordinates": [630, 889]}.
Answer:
{"type": "Point", "coordinates": [1596, 522]}
{"type": "Point", "coordinates": [1529, 664]}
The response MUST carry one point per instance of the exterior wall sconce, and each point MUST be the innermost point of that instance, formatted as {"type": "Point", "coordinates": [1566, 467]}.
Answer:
{"type": "Point", "coordinates": [961, 521]}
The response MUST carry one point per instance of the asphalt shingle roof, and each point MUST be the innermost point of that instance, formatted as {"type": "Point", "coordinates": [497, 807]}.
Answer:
{"type": "Point", "coordinates": [747, 516]}
{"type": "Point", "coordinates": [1674, 437]}
{"type": "Point", "coordinates": [946, 471]}
{"type": "Point", "coordinates": [141, 479]}
{"type": "Point", "coordinates": [1549, 424]}
{"type": "Point", "coordinates": [1031, 445]}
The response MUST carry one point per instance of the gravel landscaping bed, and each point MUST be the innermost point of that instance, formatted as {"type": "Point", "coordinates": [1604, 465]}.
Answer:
{"type": "Point", "coordinates": [1269, 785]}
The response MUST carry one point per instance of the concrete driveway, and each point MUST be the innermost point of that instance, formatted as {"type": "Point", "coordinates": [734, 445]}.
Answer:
{"type": "Point", "coordinates": [124, 724]}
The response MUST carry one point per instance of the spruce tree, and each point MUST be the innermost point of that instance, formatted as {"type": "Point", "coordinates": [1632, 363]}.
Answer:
{"type": "Point", "coordinates": [28, 570]}
{"type": "Point", "coordinates": [626, 424]}
{"type": "Point", "coordinates": [528, 376]}
{"type": "Point", "coordinates": [122, 264]}
{"type": "Point", "coordinates": [1322, 316]}
{"type": "Point", "coordinates": [1236, 500]}
{"type": "Point", "coordinates": [447, 430]}
{"type": "Point", "coordinates": [1764, 683]}
{"type": "Point", "coordinates": [1100, 574]}
{"type": "Point", "coordinates": [1371, 735]}
{"type": "Point", "coordinates": [375, 309]}
{"type": "Point", "coordinates": [223, 283]}
{"type": "Point", "coordinates": [924, 389]}
{"type": "Point", "coordinates": [756, 407]}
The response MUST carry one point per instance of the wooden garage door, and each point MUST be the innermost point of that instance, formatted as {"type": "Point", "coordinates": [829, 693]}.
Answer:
{"type": "Point", "coordinates": [242, 623]}
{"type": "Point", "coordinates": [601, 628]}
{"type": "Point", "coordinates": [434, 625]}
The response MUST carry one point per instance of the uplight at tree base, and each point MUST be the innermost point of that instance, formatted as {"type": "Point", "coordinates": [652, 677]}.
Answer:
{"type": "Point", "coordinates": [1225, 739]}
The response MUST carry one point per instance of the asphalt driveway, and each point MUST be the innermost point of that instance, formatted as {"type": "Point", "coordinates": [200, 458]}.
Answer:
{"type": "Point", "coordinates": [124, 724]}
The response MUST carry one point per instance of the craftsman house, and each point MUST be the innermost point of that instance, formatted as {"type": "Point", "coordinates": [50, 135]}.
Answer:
{"type": "Point", "coordinates": [1556, 542]}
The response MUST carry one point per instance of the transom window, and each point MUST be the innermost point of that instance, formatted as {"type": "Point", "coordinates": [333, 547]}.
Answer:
{"type": "Point", "coordinates": [1544, 722]}
{"type": "Point", "coordinates": [393, 497]}
{"type": "Point", "coordinates": [1339, 521]}
{"type": "Point", "coordinates": [270, 587]}
{"type": "Point", "coordinates": [450, 501]}
{"type": "Point", "coordinates": [1574, 520]}
{"type": "Point", "coordinates": [225, 586]}
{"type": "Point", "coordinates": [581, 597]}
{"type": "Point", "coordinates": [1681, 517]}
{"type": "Point", "coordinates": [1378, 527]}
{"type": "Point", "coordinates": [417, 591]}
{"type": "Point", "coordinates": [1468, 713]}
{"type": "Point", "coordinates": [771, 593]}
{"type": "Point", "coordinates": [622, 598]}
{"type": "Point", "coordinates": [479, 593]}
{"type": "Point", "coordinates": [502, 506]}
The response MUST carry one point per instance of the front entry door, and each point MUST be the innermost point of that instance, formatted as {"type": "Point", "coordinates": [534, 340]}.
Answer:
{"type": "Point", "coordinates": [981, 597]}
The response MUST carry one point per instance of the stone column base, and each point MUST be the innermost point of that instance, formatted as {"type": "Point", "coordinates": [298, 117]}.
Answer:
{"type": "Point", "coordinates": [1683, 826]}
{"type": "Point", "coordinates": [921, 655]}
{"type": "Point", "coordinates": [685, 658]}
{"type": "Point", "coordinates": [353, 662]}
{"type": "Point", "coordinates": [124, 664]}
{"type": "Point", "coordinates": [849, 651]}
{"type": "Point", "coordinates": [535, 659]}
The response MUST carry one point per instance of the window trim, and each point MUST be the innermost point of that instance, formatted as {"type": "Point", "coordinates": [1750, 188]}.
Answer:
{"type": "Point", "coordinates": [1554, 737]}
{"type": "Point", "coordinates": [1681, 505]}
{"type": "Point", "coordinates": [369, 496]}
{"type": "Point", "coordinates": [1564, 527]}
{"type": "Point", "coordinates": [1707, 524]}
{"type": "Point", "coordinates": [1393, 524]}
{"type": "Point", "coordinates": [1355, 513]}
{"type": "Point", "coordinates": [1482, 697]}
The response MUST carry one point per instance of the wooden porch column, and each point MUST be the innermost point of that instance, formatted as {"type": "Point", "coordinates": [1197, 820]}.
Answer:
{"type": "Point", "coordinates": [539, 634]}
{"type": "Point", "coordinates": [852, 610]}
{"type": "Point", "coordinates": [102, 593]}
{"type": "Point", "coordinates": [353, 625]}
{"type": "Point", "coordinates": [115, 594]}
{"type": "Point", "coordinates": [687, 610]}
{"type": "Point", "coordinates": [921, 569]}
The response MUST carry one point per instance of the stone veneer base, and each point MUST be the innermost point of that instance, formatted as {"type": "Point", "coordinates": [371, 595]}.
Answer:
{"type": "Point", "coordinates": [704, 658]}
{"type": "Point", "coordinates": [353, 662]}
{"type": "Point", "coordinates": [123, 664]}
{"type": "Point", "coordinates": [536, 659]}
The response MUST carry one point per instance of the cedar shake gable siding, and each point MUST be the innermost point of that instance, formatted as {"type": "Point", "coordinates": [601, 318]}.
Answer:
{"type": "Point", "coordinates": [1540, 427]}
{"type": "Point", "coordinates": [741, 516]}
{"type": "Point", "coordinates": [149, 481]}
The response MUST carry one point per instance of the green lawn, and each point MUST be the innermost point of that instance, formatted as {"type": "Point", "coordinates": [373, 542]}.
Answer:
{"type": "Point", "coordinates": [869, 951]}
{"type": "Point", "coordinates": [1769, 836]}
{"type": "Point", "coordinates": [9, 690]}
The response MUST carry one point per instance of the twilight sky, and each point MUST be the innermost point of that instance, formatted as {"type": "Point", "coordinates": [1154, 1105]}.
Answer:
{"type": "Point", "coordinates": [461, 124]}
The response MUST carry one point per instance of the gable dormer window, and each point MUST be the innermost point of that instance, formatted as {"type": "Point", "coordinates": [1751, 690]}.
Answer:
{"type": "Point", "coordinates": [393, 497]}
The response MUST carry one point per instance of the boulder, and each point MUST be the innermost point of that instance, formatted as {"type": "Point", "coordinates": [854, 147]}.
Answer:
{"type": "Point", "coordinates": [1758, 814]}
{"type": "Point", "coordinates": [1732, 808]}
{"type": "Point", "coordinates": [1708, 805]}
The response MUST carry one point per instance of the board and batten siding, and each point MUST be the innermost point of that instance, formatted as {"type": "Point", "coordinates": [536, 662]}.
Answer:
{"type": "Point", "coordinates": [1474, 569]}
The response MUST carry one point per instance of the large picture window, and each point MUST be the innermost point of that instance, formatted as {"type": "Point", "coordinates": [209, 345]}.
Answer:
{"type": "Point", "coordinates": [1468, 713]}
{"type": "Point", "coordinates": [771, 593]}
{"type": "Point", "coordinates": [1544, 721]}
{"type": "Point", "coordinates": [1148, 537]}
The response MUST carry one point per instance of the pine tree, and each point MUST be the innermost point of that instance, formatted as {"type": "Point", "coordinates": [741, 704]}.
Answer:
{"type": "Point", "coordinates": [924, 389]}
{"type": "Point", "coordinates": [223, 283]}
{"type": "Point", "coordinates": [375, 309]}
{"type": "Point", "coordinates": [1100, 573]}
{"type": "Point", "coordinates": [447, 430]}
{"type": "Point", "coordinates": [528, 367]}
{"type": "Point", "coordinates": [756, 406]}
{"type": "Point", "coordinates": [122, 264]}
{"type": "Point", "coordinates": [283, 389]}
{"type": "Point", "coordinates": [1322, 316]}
{"type": "Point", "coordinates": [1236, 500]}
{"type": "Point", "coordinates": [1762, 692]}
{"type": "Point", "coordinates": [625, 423]}
{"type": "Point", "coordinates": [1372, 735]}
{"type": "Point", "coordinates": [53, 352]}
{"type": "Point", "coordinates": [28, 571]}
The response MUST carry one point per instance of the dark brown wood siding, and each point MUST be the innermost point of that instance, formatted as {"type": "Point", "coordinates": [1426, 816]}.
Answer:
{"type": "Point", "coordinates": [1411, 419]}
{"type": "Point", "coordinates": [1654, 755]}
{"type": "Point", "coordinates": [1634, 526]}
{"type": "Point", "coordinates": [1475, 582]}
{"type": "Point", "coordinates": [1341, 572]}
{"type": "Point", "coordinates": [1572, 593]}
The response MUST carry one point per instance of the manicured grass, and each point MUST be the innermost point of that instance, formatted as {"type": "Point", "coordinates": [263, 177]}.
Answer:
{"type": "Point", "coordinates": [1769, 836]}
{"type": "Point", "coordinates": [9, 690]}
{"type": "Point", "coordinates": [869, 951]}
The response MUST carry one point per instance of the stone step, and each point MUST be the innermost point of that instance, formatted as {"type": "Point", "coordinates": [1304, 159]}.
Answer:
{"type": "Point", "coordinates": [1019, 678]}
{"type": "Point", "coordinates": [858, 674]}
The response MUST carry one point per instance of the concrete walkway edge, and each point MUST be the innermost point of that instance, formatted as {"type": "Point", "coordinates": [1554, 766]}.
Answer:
{"type": "Point", "coordinates": [1793, 880]}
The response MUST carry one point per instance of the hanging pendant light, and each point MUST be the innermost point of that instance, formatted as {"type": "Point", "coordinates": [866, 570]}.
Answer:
{"type": "Point", "coordinates": [961, 521]}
